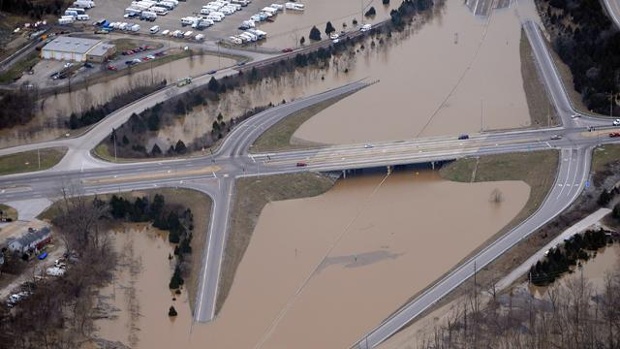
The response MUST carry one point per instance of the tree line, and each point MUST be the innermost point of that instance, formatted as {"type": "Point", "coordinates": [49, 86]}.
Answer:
{"type": "Point", "coordinates": [571, 253]}
{"type": "Point", "coordinates": [16, 107]}
{"type": "Point", "coordinates": [587, 41]}
{"type": "Point", "coordinates": [96, 114]}
{"type": "Point", "coordinates": [35, 9]}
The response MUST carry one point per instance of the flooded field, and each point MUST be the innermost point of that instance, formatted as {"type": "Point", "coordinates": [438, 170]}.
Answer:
{"type": "Point", "coordinates": [53, 111]}
{"type": "Point", "coordinates": [288, 27]}
{"type": "Point", "coordinates": [459, 73]}
{"type": "Point", "coordinates": [312, 262]}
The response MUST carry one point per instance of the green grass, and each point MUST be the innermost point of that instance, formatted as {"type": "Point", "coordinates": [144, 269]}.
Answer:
{"type": "Point", "coordinates": [256, 193]}
{"type": "Point", "coordinates": [29, 161]}
{"type": "Point", "coordinates": [19, 68]}
{"type": "Point", "coordinates": [278, 137]}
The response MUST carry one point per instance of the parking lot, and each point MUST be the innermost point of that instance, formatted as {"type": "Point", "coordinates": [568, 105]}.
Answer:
{"type": "Point", "coordinates": [113, 11]}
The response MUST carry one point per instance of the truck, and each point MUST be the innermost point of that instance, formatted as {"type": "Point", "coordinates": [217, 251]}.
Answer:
{"type": "Point", "coordinates": [154, 29]}
{"type": "Point", "coordinates": [184, 81]}
{"type": "Point", "coordinates": [188, 34]}
{"type": "Point", "coordinates": [199, 37]}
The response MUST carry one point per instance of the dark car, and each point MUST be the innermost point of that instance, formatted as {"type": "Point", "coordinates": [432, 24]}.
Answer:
{"type": "Point", "coordinates": [288, 49]}
{"type": "Point", "coordinates": [211, 72]}
{"type": "Point", "coordinates": [464, 137]}
{"type": "Point", "coordinates": [301, 164]}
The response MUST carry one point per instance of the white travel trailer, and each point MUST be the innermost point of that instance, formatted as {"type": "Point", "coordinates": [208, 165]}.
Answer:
{"type": "Point", "coordinates": [84, 4]}
{"type": "Point", "coordinates": [214, 18]}
{"type": "Point", "coordinates": [161, 11]}
{"type": "Point", "coordinates": [205, 11]}
{"type": "Point", "coordinates": [227, 11]}
{"type": "Point", "coordinates": [188, 20]}
{"type": "Point", "coordinates": [294, 6]}
{"type": "Point", "coordinates": [278, 7]}
{"type": "Point", "coordinates": [148, 15]}
{"type": "Point", "coordinates": [80, 11]}
{"type": "Point", "coordinates": [269, 10]}
{"type": "Point", "coordinates": [199, 37]}
{"type": "Point", "coordinates": [66, 20]}
{"type": "Point", "coordinates": [83, 17]}
{"type": "Point", "coordinates": [235, 40]}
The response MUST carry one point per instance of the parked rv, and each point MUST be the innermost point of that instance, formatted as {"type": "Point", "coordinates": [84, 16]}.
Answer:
{"type": "Point", "coordinates": [154, 29]}
{"type": "Point", "coordinates": [294, 6]}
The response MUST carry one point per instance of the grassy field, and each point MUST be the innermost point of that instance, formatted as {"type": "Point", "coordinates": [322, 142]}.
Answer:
{"type": "Point", "coordinates": [8, 212]}
{"type": "Point", "coordinates": [278, 137]}
{"type": "Point", "coordinates": [19, 67]}
{"type": "Point", "coordinates": [199, 203]}
{"type": "Point", "coordinates": [542, 112]}
{"type": "Point", "coordinates": [247, 208]}
{"type": "Point", "coordinates": [604, 155]}
{"type": "Point", "coordinates": [29, 161]}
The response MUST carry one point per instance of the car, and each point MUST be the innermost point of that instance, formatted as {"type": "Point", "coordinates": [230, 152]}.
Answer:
{"type": "Point", "coordinates": [368, 146]}
{"type": "Point", "coordinates": [288, 49]}
{"type": "Point", "coordinates": [616, 122]}
{"type": "Point", "coordinates": [112, 68]}
{"type": "Point", "coordinates": [147, 58]}
{"type": "Point", "coordinates": [68, 65]}
{"type": "Point", "coordinates": [334, 36]}
{"type": "Point", "coordinates": [556, 137]}
{"type": "Point", "coordinates": [463, 136]}
{"type": "Point", "coordinates": [301, 164]}
{"type": "Point", "coordinates": [211, 72]}
{"type": "Point", "coordinates": [335, 41]}
{"type": "Point", "coordinates": [88, 65]}
{"type": "Point", "coordinates": [575, 116]}
{"type": "Point", "coordinates": [614, 134]}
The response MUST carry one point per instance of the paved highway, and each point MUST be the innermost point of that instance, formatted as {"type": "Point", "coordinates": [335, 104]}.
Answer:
{"type": "Point", "coordinates": [215, 174]}
{"type": "Point", "coordinates": [613, 10]}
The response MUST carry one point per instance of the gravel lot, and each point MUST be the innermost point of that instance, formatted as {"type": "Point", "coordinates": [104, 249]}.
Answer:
{"type": "Point", "coordinates": [113, 11]}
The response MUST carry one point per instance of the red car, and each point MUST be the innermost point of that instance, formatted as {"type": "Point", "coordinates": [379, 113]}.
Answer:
{"type": "Point", "coordinates": [301, 164]}
{"type": "Point", "coordinates": [287, 50]}
{"type": "Point", "coordinates": [614, 134]}
{"type": "Point", "coordinates": [113, 68]}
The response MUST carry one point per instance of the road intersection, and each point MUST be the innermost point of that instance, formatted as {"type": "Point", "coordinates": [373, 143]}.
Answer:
{"type": "Point", "coordinates": [215, 174]}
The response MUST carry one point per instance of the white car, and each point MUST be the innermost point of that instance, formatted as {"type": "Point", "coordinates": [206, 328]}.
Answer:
{"type": "Point", "coordinates": [616, 122]}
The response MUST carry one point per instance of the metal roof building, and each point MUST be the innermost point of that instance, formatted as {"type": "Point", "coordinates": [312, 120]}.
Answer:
{"type": "Point", "coordinates": [67, 48]}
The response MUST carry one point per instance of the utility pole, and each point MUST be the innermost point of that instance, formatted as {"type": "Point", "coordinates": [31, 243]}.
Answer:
{"type": "Point", "coordinates": [481, 113]}
{"type": "Point", "coordinates": [39, 157]}
{"type": "Point", "coordinates": [219, 57]}
{"type": "Point", "coordinates": [611, 104]}
{"type": "Point", "coordinates": [114, 141]}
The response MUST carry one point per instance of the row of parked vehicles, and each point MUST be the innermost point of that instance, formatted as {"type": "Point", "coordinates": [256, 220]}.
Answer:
{"type": "Point", "coordinates": [76, 12]}
{"type": "Point", "coordinates": [150, 9]}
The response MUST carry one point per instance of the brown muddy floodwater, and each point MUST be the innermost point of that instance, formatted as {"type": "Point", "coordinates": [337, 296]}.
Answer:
{"type": "Point", "coordinates": [458, 73]}
{"type": "Point", "coordinates": [54, 111]}
{"type": "Point", "coordinates": [289, 26]}
{"type": "Point", "coordinates": [321, 271]}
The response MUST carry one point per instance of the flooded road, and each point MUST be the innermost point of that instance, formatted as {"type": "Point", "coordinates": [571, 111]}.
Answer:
{"type": "Point", "coordinates": [459, 73]}
{"type": "Point", "coordinates": [313, 262]}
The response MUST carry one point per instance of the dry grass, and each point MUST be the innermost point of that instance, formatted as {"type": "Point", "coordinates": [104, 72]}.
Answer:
{"type": "Point", "coordinates": [257, 192]}
{"type": "Point", "coordinates": [29, 161]}
{"type": "Point", "coordinates": [278, 137]}
{"type": "Point", "coordinates": [542, 112]}
{"type": "Point", "coordinates": [8, 212]}
{"type": "Point", "coordinates": [604, 155]}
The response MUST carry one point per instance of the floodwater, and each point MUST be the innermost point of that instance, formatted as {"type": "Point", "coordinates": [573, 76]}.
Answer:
{"type": "Point", "coordinates": [459, 73]}
{"type": "Point", "coordinates": [55, 110]}
{"type": "Point", "coordinates": [321, 271]}
{"type": "Point", "coordinates": [596, 270]}
{"type": "Point", "coordinates": [289, 26]}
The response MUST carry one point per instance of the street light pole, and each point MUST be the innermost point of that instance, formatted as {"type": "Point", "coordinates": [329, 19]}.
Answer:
{"type": "Point", "coordinates": [114, 141]}
{"type": "Point", "coordinates": [39, 157]}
